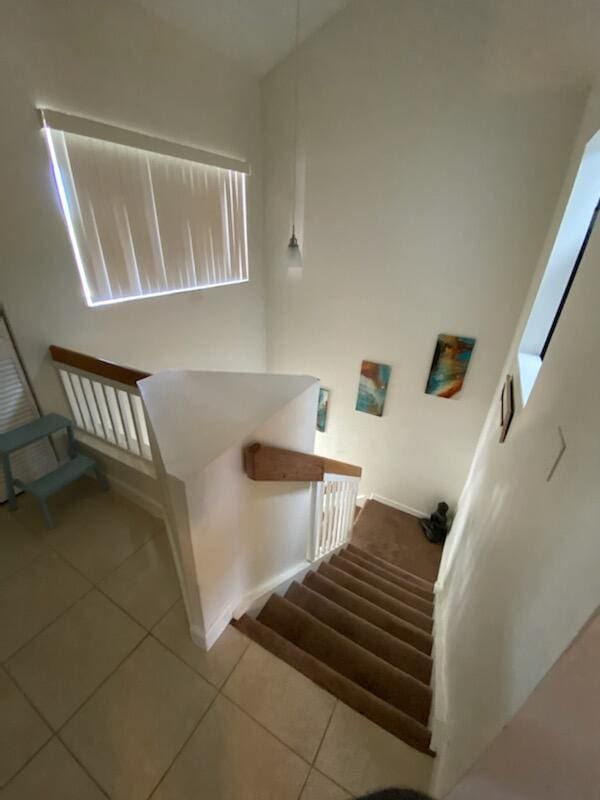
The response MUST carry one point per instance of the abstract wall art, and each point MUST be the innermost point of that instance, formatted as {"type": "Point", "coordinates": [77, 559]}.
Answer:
{"type": "Point", "coordinates": [322, 410]}
{"type": "Point", "coordinates": [372, 387]}
{"type": "Point", "coordinates": [449, 365]}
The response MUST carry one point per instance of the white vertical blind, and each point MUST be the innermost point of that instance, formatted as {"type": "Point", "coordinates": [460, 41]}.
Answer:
{"type": "Point", "coordinates": [143, 223]}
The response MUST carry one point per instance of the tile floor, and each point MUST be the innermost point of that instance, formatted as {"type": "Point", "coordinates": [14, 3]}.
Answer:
{"type": "Point", "coordinates": [103, 694]}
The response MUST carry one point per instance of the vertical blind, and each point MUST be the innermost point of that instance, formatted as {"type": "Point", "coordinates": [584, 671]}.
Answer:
{"type": "Point", "coordinates": [143, 223]}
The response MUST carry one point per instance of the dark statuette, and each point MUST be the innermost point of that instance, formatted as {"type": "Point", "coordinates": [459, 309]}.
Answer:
{"type": "Point", "coordinates": [436, 527]}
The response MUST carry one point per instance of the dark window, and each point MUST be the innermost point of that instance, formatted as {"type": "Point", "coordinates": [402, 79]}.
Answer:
{"type": "Point", "coordinates": [571, 280]}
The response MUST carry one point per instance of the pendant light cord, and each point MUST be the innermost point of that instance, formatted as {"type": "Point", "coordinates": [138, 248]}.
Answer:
{"type": "Point", "coordinates": [295, 140]}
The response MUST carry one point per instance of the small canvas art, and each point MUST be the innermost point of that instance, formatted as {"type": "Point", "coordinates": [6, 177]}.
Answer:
{"type": "Point", "coordinates": [449, 365]}
{"type": "Point", "coordinates": [507, 406]}
{"type": "Point", "coordinates": [322, 410]}
{"type": "Point", "coordinates": [372, 387]}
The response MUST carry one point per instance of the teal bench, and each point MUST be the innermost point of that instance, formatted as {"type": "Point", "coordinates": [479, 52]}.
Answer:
{"type": "Point", "coordinates": [49, 484]}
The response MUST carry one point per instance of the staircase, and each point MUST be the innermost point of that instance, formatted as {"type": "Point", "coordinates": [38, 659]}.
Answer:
{"type": "Point", "coordinates": [359, 627]}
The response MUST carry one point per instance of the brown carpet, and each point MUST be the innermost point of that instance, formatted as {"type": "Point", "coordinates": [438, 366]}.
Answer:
{"type": "Point", "coordinates": [360, 627]}
{"type": "Point", "coordinates": [397, 538]}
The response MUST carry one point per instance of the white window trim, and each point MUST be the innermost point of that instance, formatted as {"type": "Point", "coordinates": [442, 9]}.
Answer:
{"type": "Point", "coordinates": [561, 262]}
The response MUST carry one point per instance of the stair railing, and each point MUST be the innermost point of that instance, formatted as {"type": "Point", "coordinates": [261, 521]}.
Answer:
{"type": "Point", "coordinates": [335, 504]}
{"type": "Point", "coordinates": [334, 485]}
{"type": "Point", "coordinates": [104, 400]}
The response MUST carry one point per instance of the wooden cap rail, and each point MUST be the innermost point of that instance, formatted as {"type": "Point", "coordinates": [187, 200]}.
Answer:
{"type": "Point", "coordinates": [265, 463]}
{"type": "Point", "coordinates": [97, 366]}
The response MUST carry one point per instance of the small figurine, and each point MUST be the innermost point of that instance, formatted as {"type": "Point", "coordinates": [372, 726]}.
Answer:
{"type": "Point", "coordinates": [436, 527]}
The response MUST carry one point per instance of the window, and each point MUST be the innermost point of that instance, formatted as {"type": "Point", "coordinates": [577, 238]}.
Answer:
{"type": "Point", "coordinates": [146, 217]}
{"type": "Point", "coordinates": [565, 295]}
{"type": "Point", "coordinates": [577, 224]}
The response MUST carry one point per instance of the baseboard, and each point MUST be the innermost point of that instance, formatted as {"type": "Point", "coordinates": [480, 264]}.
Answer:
{"type": "Point", "coordinates": [263, 592]}
{"type": "Point", "coordinates": [416, 512]}
{"type": "Point", "coordinates": [137, 497]}
{"type": "Point", "coordinates": [206, 639]}
{"type": "Point", "coordinates": [257, 597]}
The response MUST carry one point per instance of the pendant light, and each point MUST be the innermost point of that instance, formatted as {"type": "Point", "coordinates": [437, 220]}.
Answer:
{"type": "Point", "coordinates": [293, 247]}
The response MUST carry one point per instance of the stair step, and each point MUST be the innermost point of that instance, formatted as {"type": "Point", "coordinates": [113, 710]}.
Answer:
{"type": "Point", "coordinates": [375, 709]}
{"type": "Point", "coordinates": [381, 562]}
{"type": "Point", "coordinates": [384, 645]}
{"type": "Point", "coordinates": [403, 583]}
{"type": "Point", "coordinates": [424, 606]}
{"type": "Point", "coordinates": [60, 477]}
{"type": "Point", "coordinates": [374, 595]}
{"type": "Point", "coordinates": [348, 658]}
{"type": "Point", "coordinates": [370, 612]}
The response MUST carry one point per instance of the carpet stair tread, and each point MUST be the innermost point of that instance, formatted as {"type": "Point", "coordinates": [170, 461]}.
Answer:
{"type": "Point", "coordinates": [348, 658]}
{"type": "Point", "coordinates": [375, 595]}
{"type": "Point", "coordinates": [399, 628]}
{"type": "Point", "coordinates": [382, 562]}
{"type": "Point", "coordinates": [374, 708]}
{"type": "Point", "coordinates": [387, 647]}
{"type": "Point", "coordinates": [403, 595]}
{"type": "Point", "coordinates": [402, 582]}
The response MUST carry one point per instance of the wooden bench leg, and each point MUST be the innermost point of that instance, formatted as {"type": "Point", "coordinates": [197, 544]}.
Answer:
{"type": "Point", "coordinates": [8, 479]}
{"type": "Point", "coordinates": [101, 477]}
{"type": "Point", "coordinates": [46, 512]}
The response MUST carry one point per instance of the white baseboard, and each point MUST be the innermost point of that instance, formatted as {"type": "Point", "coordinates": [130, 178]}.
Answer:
{"type": "Point", "coordinates": [416, 512]}
{"type": "Point", "coordinates": [206, 639]}
{"type": "Point", "coordinates": [141, 499]}
{"type": "Point", "coordinates": [265, 590]}
{"type": "Point", "coordinates": [255, 598]}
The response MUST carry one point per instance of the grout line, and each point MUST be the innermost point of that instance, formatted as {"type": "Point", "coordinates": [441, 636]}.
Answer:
{"type": "Point", "coordinates": [168, 611]}
{"type": "Point", "coordinates": [133, 553]}
{"type": "Point", "coordinates": [264, 727]}
{"type": "Point", "coordinates": [178, 753]}
{"type": "Point", "coordinates": [96, 585]}
{"type": "Point", "coordinates": [37, 711]}
{"type": "Point", "coordinates": [64, 724]}
{"type": "Point", "coordinates": [305, 781]}
{"type": "Point", "coordinates": [218, 687]}
{"type": "Point", "coordinates": [318, 750]}
{"type": "Point", "coordinates": [339, 785]}
{"type": "Point", "coordinates": [48, 625]}
{"type": "Point", "coordinates": [83, 767]}
{"type": "Point", "coordinates": [232, 670]}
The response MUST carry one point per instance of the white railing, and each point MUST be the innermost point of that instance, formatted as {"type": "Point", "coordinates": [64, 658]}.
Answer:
{"type": "Point", "coordinates": [334, 508]}
{"type": "Point", "coordinates": [106, 409]}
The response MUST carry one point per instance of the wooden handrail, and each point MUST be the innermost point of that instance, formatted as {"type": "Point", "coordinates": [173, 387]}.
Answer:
{"type": "Point", "coordinates": [97, 366]}
{"type": "Point", "coordinates": [266, 463]}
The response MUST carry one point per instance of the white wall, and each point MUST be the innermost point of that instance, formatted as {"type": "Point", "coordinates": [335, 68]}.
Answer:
{"type": "Point", "coordinates": [519, 577]}
{"type": "Point", "coordinates": [430, 171]}
{"type": "Point", "coordinates": [109, 60]}
{"type": "Point", "coordinates": [549, 750]}
{"type": "Point", "coordinates": [234, 539]}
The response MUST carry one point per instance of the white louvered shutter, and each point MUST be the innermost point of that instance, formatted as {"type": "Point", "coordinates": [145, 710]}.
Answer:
{"type": "Point", "coordinates": [17, 407]}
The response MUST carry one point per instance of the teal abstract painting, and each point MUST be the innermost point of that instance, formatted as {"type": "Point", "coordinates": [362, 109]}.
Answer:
{"type": "Point", "coordinates": [372, 387]}
{"type": "Point", "coordinates": [322, 410]}
{"type": "Point", "coordinates": [449, 366]}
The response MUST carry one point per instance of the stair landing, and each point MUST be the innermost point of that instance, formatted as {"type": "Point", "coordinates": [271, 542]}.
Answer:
{"type": "Point", "coordinates": [397, 538]}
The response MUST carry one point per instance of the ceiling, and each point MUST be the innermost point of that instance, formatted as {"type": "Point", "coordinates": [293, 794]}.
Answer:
{"type": "Point", "coordinates": [256, 33]}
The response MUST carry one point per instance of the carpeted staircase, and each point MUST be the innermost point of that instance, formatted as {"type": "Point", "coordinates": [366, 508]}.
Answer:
{"type": "Point", "coordinates": [360, 627]}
